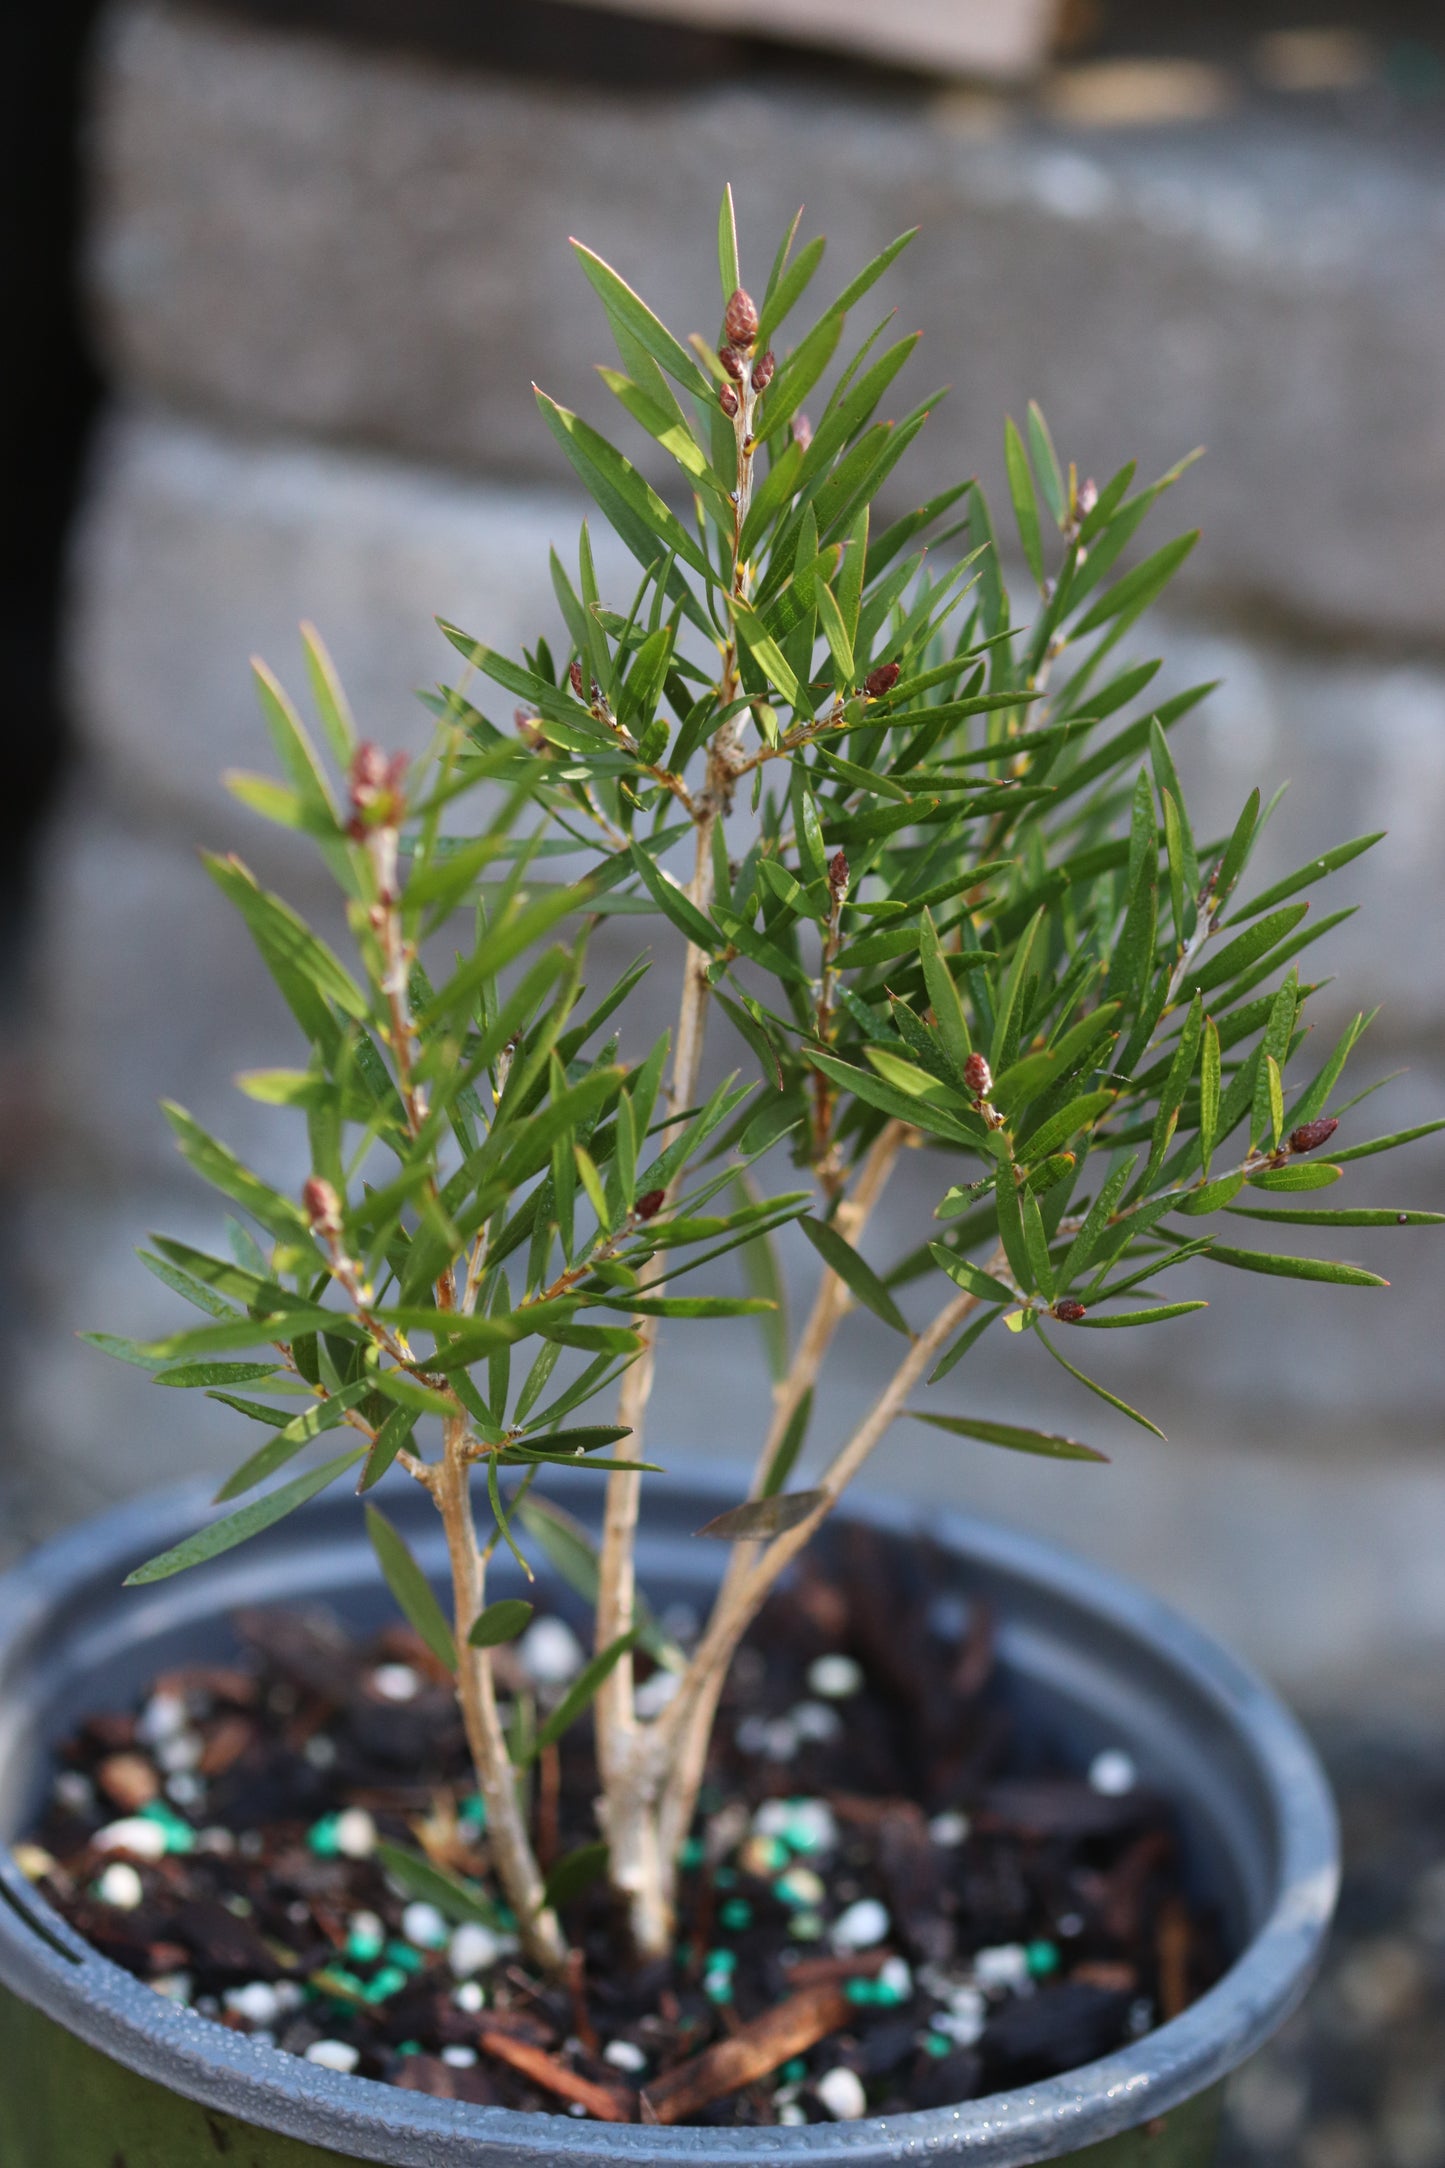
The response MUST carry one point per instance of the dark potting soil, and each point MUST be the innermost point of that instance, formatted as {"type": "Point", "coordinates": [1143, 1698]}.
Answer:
{"type": "Point", "coordinates": [892, 1899]}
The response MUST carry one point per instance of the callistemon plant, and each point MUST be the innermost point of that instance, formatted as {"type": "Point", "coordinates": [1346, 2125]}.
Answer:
{"type": "Point", "coordinates": [918, 853]}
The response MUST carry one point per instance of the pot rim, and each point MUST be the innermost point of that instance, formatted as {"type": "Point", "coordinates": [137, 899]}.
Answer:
{"type": "Point", "coordinates": [48, 1964]}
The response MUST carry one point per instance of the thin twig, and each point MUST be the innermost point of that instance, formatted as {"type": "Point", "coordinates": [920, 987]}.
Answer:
{"type": "Point", "coordinates": [511, 1851]}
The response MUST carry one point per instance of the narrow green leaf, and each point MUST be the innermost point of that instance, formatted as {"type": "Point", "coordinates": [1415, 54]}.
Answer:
{"type": "Point", "coordinates": [769, 657]}
{"type": "Point", "coordinates": [1025, 503]}
{"type": "Point", "coordinates": [1103, 1321]}
{"type": "Point", "coordinates": [1210, 1196]}
{"type": "Point", "coordinates": [1037, 1242]}
{"type": "Point", "coordinates": [856, 1274]}
{"type": "Point", "coordinates": [575, 1872]}
{"type": "Point", "coordinates": [290, 1439]}
{"type": "Point", "coordinates": [1130, 596]}
{"type": "Point", "coordinates": [331, 703]}
{"type": "Point", "coordinates": [203, 1373]}
{"type": "Point", "coordinates": [1010, 1435]}
{"type": "Point", "coordinates": [1245, 949]}
{"type": "Point", "coordinates": [955, 1354]}
{"type": "Point", "coordinates": [1316, 870]}
{"type": "Point", "coordinates": [125, 1351]}
{"type": "Point", "coordinates": [631, 504]}
{"type": "Point", "coordinates": [788, 290]}
{"type": "Point", "coordinates": [1342, 1216]}
{"type": "Point", "coordinates": [685, 1305]}
{"type": "Point", "coordinates": [285, 939]}
{"type": "Point", "coordinates": [501, 1621]}
{"type": "Point", "coordinates": [628, 309]}
{"type": "Point", "coordinates": [1080, 1113]}
{"type": "Point", "coordinates": [454, 1897]}
{"type": "Point", "coordinates": [674, 905]}
{"type": "Point", "coordinates": [943, 996]}
{"type": "Point", "coordinates": [760, 1519]}
{"type": "Point", "coordinates": [1388, 1144]}
{"type": "Point", "coordinates": [1046, 462]}
{"type": "Point", "coordinates": [971, 1278]}
{"type": "Point", "coordinates": [1094, 1387]}
{"type": "Point", "coordinates": [1011, 1229]}
{"type": "Point", "coordinates": [764, 1275]}
{"type": "Point", "coordinates": [836, 633]}
{"type": "Point", "coordinates": [583, 1689]}
{"type": "Point", "coordinates": [790, 1445]}
{"type": "Point", "coordinates": [1296, 1268]}
{"type": "Point", "coordinates": [1097, 1221]}
{"type": "Point", "coordinates": [411, 1588]}
{"type": "Point", "coordinates": [1006, 1023]}
{"type": "Point", "coordinates": [238, 1527]}
{"type": "Point", "coordinates": [393, 1434]}
{"type": "Point", "coordinates": [568, 1547]}
{"type": "Point", "coordinates": [1313, 1174]}
{"type": "Point", "coordinates": [409, 1394]}
{"type": "Point", "coordinates": [727, 245]}
{"type": "Point", "coordinates": [1209, 1077]}
{"type": "Point", "coordinates": [1274, 1087]}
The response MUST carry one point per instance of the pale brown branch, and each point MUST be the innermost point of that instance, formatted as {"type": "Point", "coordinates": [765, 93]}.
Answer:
{"type": "Point", "coordinates": [831, 1305]}
{"type": "Point", "coordinates": [511, 1848]}
{"type": "Point", "coordinates": [616, 1719]}
{"type": "Point", "coordinates": [731, 1620]}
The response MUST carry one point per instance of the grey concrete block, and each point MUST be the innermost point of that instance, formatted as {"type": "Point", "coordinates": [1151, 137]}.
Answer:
{"type": "Point", "coordinates": [343, 242]}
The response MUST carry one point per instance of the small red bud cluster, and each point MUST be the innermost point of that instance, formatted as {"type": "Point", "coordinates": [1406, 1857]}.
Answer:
{"type": "Point", "coordinates": [763, 371]}
{"type": "Point", "coordinates": [734, 363]}
{"type": "Point", "coordinates": [978, 1076]}
{"type": "Point", "coordinates": [740, 319]}
{"type": "Point", "coordinates": [882, 680]}
{"type": "Point", "coordinates": [1310, 1135]}
{"type": "Point", "coordinates": [727, 399]}
{"type": "Point", "coordinates": [649, 1204]}
{"type": "Point", "coordinates": [838, 875]}
{"type": "Point", "coordinates": [323, 1206]}
{"type": "Point", "coordinates": [1069, 1310]}
{"type": "Point", "coordinates": [374, 787]}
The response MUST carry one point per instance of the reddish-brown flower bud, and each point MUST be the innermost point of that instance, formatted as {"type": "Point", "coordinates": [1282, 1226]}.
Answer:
{"type": "Point", "coordinates": [882, 680]}
{"type": "Point", "coordinates": [802, 430]}
{"type": "Point", "coordinates": [740, 319]}
{"type": "Point", "coordinates": [978, 1076]}
{"type": "Point", "coordinates": [734, 364]}
{"type": "Point", "coordinates": [574, 679]}
{"type": "Point", "coordinates": [323, 1206]}
{"type": "Point", "coordinates": [368, 768]}
{"type": "Point", "coordinates": [1069, 1311]}
{"type": "Point", "coordinates": [1310, 1135]}
{"type": "Point", "coordinates": [374, 786]}
{"type": "Point", "coordinates": [649, 1204]}
{"type": "Point", "coordinates": [838, 873]}
{"type": "Point", "coordinates": [763, 371]}
{"type": "Point", "coordinates": [727, 399]}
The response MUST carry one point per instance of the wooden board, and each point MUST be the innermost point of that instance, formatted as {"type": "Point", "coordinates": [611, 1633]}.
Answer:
{"type": "Point", "coordinates": [1004, 39]}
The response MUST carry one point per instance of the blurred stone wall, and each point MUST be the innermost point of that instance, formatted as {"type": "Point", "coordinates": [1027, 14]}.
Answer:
{"type": "Point", "coordinates": [325, 277]}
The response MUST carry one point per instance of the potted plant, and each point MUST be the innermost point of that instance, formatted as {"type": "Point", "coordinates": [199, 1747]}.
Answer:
{"type": "Point", "coordinates": [937, 878]}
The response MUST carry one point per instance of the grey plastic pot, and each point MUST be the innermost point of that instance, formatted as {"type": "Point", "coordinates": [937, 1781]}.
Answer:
{"type": "Point", "coordinates": [97, 2071]}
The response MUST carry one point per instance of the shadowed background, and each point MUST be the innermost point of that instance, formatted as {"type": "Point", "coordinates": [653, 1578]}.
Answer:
{"type": "Point", "coordinates": [289, 271]}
